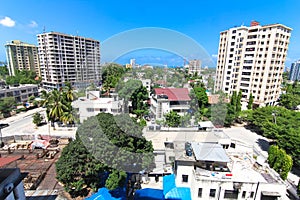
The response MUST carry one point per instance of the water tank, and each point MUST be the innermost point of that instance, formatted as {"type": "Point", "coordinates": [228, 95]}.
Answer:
{"type": "Point", "coordinates": [188, 149]}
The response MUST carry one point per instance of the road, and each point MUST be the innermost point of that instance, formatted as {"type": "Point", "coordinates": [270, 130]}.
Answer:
{"type": "Point", "coordinates": [21, 124]}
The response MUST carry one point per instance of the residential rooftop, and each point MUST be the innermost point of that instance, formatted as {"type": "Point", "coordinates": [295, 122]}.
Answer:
{"type": "Point", "coordinates": [173, 94]}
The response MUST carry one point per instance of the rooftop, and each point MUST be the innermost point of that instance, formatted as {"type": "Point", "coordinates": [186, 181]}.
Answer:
{"type": "Point", "coordinates": [209, 152]}
{"type": "Point", "coordinates": [174, 94]}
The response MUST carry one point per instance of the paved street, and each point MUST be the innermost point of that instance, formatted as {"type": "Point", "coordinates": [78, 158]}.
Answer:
{"type": "Point", "coordinates": [21, 124]}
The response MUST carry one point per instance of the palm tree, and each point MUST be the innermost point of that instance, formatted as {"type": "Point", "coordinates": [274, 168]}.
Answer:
{"type": "Point", "coordinates": [58, 105]}
{"type": "Point", "coordinates": [68, 118]}
{"type": "Point", "coordinates": [68, 91]}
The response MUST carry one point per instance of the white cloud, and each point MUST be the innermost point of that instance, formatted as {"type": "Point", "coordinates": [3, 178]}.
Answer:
{"type": "Point", "coordinates": [7, 21]}
{"type": "Point", "coordinates": [214, 55]}
{"type": "Point", "coordinates": [33, 24]}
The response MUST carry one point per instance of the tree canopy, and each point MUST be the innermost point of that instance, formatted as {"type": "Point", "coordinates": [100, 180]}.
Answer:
{"type": "Point", "coordinates": [281, 125]}
{"type": "Point", "coordinates": [7, 104]}
{"type": "Point", "coordinates": [280, 161]}
{"type": "Point", "coordinates": [291, 98]}
{"type": "Point", "coordinates": [58, 104]}
{"type": "Point", "coordinates": [111, 75]}
{"type": "Point", "coordinates": [134, 91]}
{"type": "Point", "coordinates": [105, 144]}
{"type": "Point", "coordinates": [23, 77]}
{"type": "Point", "coordinates": [172, 119]}
{"type": "Point", "coordinates": [78, 170]}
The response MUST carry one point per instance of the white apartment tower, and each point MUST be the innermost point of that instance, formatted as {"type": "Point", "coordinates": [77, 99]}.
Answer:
{"type": "Point", "coordinates": [194, 67]}
{"type": "Point", "coordinates": [251, 59]}
{"type": "Point", "coordinates": [67, 58]}
{"type": "Point", "coordinates": [22, 56]}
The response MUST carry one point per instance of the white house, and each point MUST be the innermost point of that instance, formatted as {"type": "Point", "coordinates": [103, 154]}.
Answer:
{"type": "Point", "coordinates": [212, 173]}
{"type": "Point", "coordinates": [165, 100]}
{"type": "Point", "coordinates": [93, 104]}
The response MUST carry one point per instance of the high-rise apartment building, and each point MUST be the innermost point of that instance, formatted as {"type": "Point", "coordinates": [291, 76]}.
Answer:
{"type": "Point", "coordinates": [22, 56]}
{"type": "Point", "coordinates": [251, 60]}
{"type": "Point", "coordinates": [295, 71]}
{"type": "Point", "coordinates": [194, 66]}
{"type": "Point", "coordinates": [67, 58]}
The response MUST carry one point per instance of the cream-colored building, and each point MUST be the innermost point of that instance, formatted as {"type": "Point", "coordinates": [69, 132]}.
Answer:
{"type": "Point", "coordinates": [67, 58]}
{"type": "Point", "coordinates": [251, 59]}
{"type": "Point", "coordinates": [194, 66]}
{"type": "Point", "coordinates": [22, 56]}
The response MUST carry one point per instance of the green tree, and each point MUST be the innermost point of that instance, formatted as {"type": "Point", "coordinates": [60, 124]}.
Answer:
{"type": "Point", "coordinates": [37, 118]}
{"type": "Point", "coordinates": [57, 106]}
{"type": "Point", "coordinates": [201, 96]}
{"type": "Point", "coordinates": [218, 112]}
{"type": "Point", "coordinates": [7, 104]}
{"type": "Point", "coordinates": [3, 72]}
{"type": "Point", "coordinates": [185, 120]}
{"type": "Point", "coordinates": [272, 155]}
{"type": "Point", "coordinates": [78, 170]}
{"type": "Point", "coordinates": [238, 102]}
{"type": "Point", "coordinates": [172, 119]}
{"type": "Point", "coordinates": [111, 75]}
{"type": "Point", "coordinates": [250, 102]}
{"type": "Point", "coordinates": [117, 140]}
{"type": "Point", "coordinates": [23, 77]}
{"type": "Point", "coordinates": [134, 91]}
{"type": "Point", "coordinates": [291, 98]}
{"type": "Point", "coordinates": [116, 179]}
{"type": "Point", "coordinates": [280, 161]}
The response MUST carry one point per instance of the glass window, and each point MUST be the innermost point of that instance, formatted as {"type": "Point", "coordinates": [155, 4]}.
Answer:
{"type": "Point", "coordinates": [185, 178]}
{"type": "Point", "coordinates": [200, 192]}
{"type": "Point", "coordinates": [212, 192]}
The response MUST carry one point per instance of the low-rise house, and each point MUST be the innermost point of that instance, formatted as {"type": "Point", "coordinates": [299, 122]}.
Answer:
{"type": "Point", "coordinates": [93, 104]}
{"type": "Point", "coordinates": [212, 173]}
{"type": "Point", "coordinates": [165, 100]}
{"type": "Point", "coordinates": [20, 93]}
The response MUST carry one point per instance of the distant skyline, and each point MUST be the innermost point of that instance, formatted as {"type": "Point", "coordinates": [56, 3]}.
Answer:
{"type": "Point", "coordinates": [100, 20]}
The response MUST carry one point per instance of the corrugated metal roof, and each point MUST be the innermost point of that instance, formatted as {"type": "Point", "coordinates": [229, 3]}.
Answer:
{"type": "Point", "coordinates": [209, 152]}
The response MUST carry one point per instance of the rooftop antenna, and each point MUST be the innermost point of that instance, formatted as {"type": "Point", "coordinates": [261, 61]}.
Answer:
{"type": "Point", "coordinates": [44, 29]}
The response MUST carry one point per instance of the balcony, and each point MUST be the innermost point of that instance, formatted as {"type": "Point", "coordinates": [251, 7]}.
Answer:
{"type": "Point", "coordinates": [201, 174]}
{"type": "Point", "coordinates": [180, 107]}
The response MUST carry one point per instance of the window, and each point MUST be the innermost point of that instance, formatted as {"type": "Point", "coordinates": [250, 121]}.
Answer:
{"type": "Point", "coordinates": [90, 109]}
{"type": "Point", "coordinates": [231, 194]}
{"type": "Point", "coordinates": [185, 178]}
{"type": "Point", "coordinates": [212, 192]}
{"type": "Point", "coordinates": [200, 192]}
{"type": "Point", "coordinates": [252, 193]}
{"type": "Point", "coordinates": [244, 194]}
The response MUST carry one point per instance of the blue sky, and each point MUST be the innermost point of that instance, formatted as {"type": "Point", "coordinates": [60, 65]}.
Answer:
{"type": "Point", "coordinates": [198, 19]}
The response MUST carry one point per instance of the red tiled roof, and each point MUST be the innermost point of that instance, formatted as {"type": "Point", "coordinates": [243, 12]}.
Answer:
{"type": "Point", "coordinates": [7, 160]}
{"type": "Point", "coordinates": [174, 94]}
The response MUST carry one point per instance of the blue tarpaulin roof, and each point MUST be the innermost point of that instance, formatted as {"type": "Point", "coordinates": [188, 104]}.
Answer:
{"type": "Point", "coordinates": [177, 193]}
{"type": "Point", "coordinates": [171, 192]}
{"type": "Point", "coordinates": [149, 194]}
{"type": "Point", "coordinates": [168, 183]}
{"type": "Point", "coordinates": [102, 194]}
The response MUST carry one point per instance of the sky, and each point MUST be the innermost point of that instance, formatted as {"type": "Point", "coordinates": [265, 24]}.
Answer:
{"type": "Point", "coordinates": [201, 21]}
